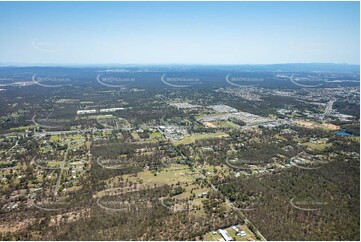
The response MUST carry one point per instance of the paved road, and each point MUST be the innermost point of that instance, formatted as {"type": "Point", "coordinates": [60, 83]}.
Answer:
{"type": "Point", "coordinates": [328, 109]}
{"type": "Point", "coordinates": [61, 172]}
{"type": "Point", "coordinates": [16, 144]}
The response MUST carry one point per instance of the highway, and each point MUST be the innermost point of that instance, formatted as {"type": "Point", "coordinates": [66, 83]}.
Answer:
{"type": "Point", "coordinates": [328, 109]}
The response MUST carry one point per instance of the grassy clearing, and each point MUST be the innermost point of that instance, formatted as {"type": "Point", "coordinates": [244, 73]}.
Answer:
{"type": "Point", "coordinates": [156, 135]}
{"type": "Point", "coordinates": [319, 147]}
{"type": "Point", "coordinates": [23, 128]}
{"type": "Point", "coordinates": [355, 138]}
{"type": "Point", "coordinates": [75, 137]}
{"type": "Point", "coordinates": [313, 125]}
{"type": "Point", "coordinates": [54, 163]}
{"type": "Point", "coordinates": [55, 138]}
{"type": "Point", "coordinates": [144, 179]}
{"type": "Point", "coordinates": [73, 189]}
{"type": "Point", "coordinates": [168, 176]}
{"type": "Point", "coordinates": [213, 237]}
{"type": "Point", "coordinates": [192, 138]}
{"type": "Point", "coordinates": [187, 193]}
{"type": "Point", "coordinates": [135, 136]}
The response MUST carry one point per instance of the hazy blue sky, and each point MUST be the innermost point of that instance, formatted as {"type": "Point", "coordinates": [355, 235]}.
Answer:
{"type": "Point", "coordinates": [179, 32]}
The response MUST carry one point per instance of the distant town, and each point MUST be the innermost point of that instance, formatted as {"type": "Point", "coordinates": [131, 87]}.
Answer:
{"type": "Point", "coordinates": [212, 161]}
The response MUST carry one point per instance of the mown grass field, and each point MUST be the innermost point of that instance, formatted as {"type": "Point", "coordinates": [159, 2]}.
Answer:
{"type": "Point", "coordinates": [155, 135]}
{"type": "Point", "coordinates": [192, 138]}
{"type": "Point", "coordinates": [172, 175]}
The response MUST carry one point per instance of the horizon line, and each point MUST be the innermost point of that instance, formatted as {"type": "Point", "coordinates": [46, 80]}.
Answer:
{"type": "Point", "coordinates": [164, 64]}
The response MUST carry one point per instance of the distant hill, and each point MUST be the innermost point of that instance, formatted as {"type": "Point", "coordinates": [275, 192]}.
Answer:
{"type": "Point", "coordinates": [292, 67]}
